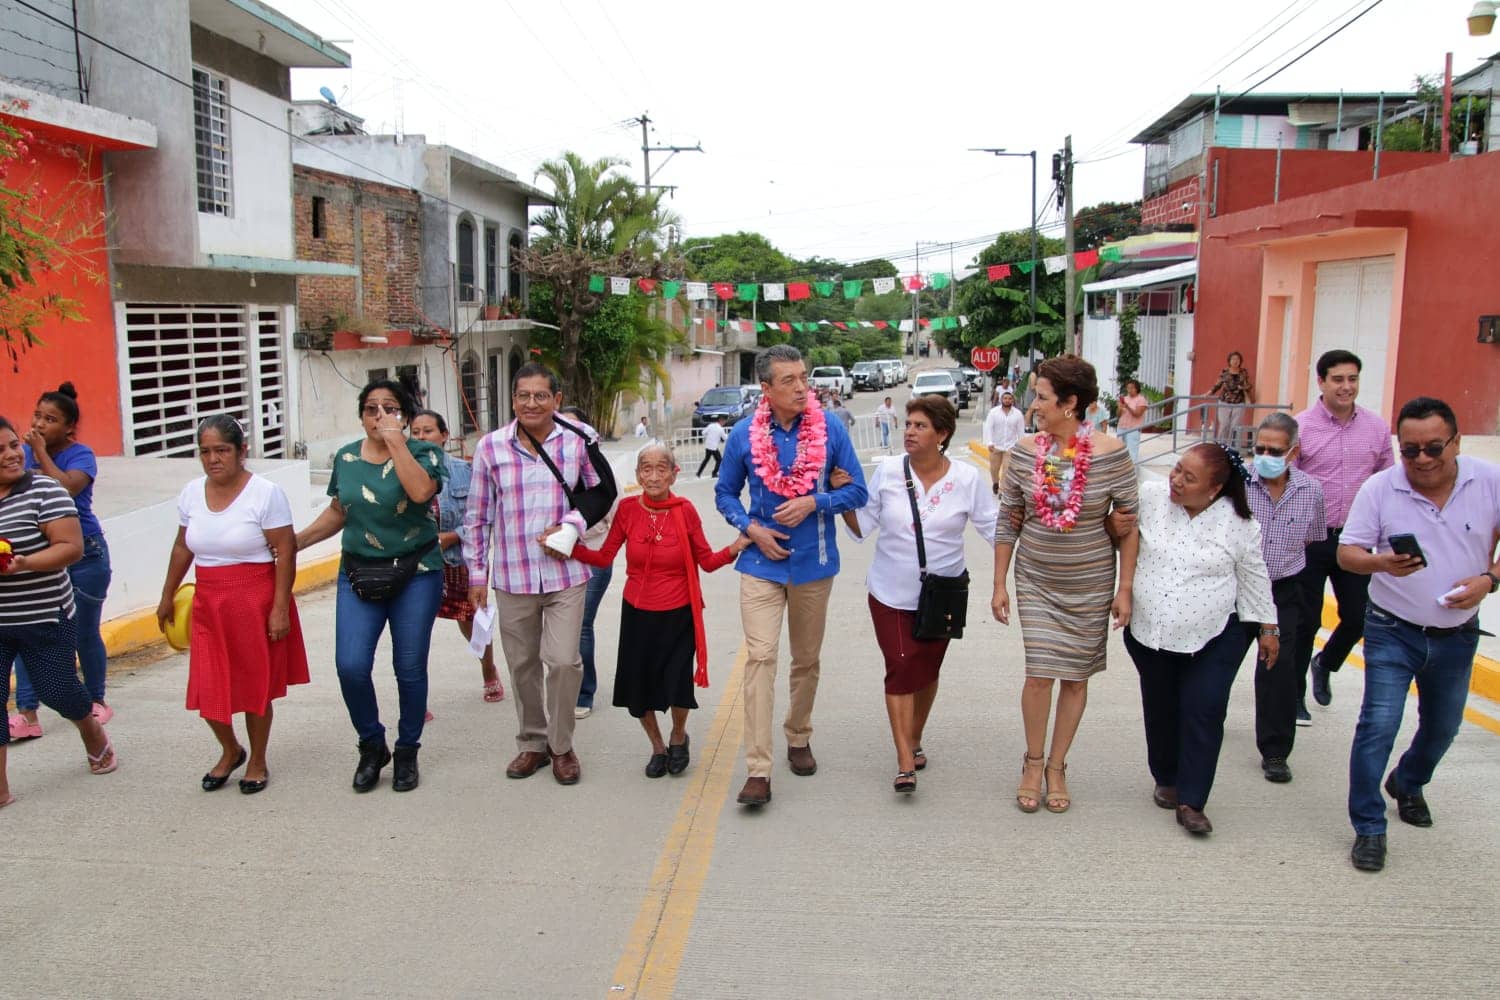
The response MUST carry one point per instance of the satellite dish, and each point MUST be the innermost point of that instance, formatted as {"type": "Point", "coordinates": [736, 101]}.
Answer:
{"type": "Point", "coordinates": [328, 95]}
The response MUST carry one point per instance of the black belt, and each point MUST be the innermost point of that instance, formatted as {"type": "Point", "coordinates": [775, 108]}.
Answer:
{"type": "Point", "coordinates": [1472, 625]}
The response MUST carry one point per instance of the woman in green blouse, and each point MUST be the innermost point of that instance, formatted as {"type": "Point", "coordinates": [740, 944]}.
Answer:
{"type": "Point", "coordinates": [382, 488]}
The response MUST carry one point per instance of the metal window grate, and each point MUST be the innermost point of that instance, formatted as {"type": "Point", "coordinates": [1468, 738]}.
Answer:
{"type": "Point", "coordinates": [184, 362]}
{"type": "Point", "coordinates": [211, 140]}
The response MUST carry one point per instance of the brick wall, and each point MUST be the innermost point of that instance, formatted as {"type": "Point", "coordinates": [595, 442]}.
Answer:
{"type": "Point", "coordinates": [1178, 204]}
{"type": "Point", "coordinates": [388, 250]}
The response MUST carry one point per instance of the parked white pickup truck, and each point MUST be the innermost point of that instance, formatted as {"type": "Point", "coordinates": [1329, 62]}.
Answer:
{"type": "Point", "coordinates": [834, 379]}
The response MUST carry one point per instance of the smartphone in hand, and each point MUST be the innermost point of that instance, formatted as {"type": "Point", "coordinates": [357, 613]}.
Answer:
{"type": "Point", "coordinates": [1406, 545]}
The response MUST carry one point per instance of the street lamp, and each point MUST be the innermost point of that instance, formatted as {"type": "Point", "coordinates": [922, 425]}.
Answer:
{"type": "Point", "coordinates": [1482, 18]}
{"type": "Point", "coordinates": [1001, 151]}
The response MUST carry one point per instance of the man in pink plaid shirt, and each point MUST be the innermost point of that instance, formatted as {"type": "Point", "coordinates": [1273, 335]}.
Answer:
{"type": "Point", "coordinates": [538, 599]}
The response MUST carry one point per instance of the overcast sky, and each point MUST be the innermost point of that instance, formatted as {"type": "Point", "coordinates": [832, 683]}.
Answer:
{"type": "Point", "coordinates": [841, 129]}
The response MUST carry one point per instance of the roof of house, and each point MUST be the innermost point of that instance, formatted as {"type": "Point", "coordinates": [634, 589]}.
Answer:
{"type": "Point", "coordinates": [266, 30]}
{"type": "Point", "coordinates": [1145, 279]}
{"type": "Point", "coordinates": [1256, 104]}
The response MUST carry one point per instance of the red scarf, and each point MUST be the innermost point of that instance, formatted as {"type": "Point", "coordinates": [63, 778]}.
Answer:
{"type": "Point", "coordinates": [674, 503]}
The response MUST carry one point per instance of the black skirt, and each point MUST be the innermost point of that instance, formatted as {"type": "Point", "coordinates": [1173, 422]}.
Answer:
{"type": "Point", "coordinates": [654, 670]}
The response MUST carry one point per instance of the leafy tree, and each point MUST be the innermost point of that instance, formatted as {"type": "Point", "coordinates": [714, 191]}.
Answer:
{"type": "Point", "coordinates": [43, 239]}
{"type": "Point", "coordinates": [1105, 222]}
{"type": "Point", "coordinates": [601, 222]}
{"type": "Point", "coordinates": [1128, 355]}
{"type": "Point", "coordinates": [996, 307]}
{"type": "Point", "coordinates": [1423, 132]}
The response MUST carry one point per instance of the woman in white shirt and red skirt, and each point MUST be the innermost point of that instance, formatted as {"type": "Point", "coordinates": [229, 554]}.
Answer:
{"type": "Point", "coordinates": [1200, 578]}
{"type": "Point", "coordinates": [245, 639]}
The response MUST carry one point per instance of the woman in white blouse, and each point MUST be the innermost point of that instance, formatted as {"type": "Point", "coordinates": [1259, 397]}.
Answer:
{"type": "Point", "coordinates": [950, 496]}
{"type": "Point", "coordinates": [1200, 575]}
{"type": "Point", "coordinates": [245, 640]}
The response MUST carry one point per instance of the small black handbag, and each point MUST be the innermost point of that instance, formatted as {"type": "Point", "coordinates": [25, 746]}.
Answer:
{"type": "Point", "coordinates": [380, 579]}
{"type": "Point", "coordinates": [592, 502]}
{"type": "Point", "coordinates": [943, 604]}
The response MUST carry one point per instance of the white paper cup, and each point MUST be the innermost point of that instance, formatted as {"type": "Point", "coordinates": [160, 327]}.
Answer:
{"type": "Point", "coordinates": [563, 539]}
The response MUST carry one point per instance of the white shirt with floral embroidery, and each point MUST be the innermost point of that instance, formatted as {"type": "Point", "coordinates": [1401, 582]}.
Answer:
{"type": "Point", "coordinates": [962, 497]}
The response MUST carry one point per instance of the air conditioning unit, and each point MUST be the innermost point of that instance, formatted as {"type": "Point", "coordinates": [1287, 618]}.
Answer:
{"type": "Point", "coordinates": [313, 340]}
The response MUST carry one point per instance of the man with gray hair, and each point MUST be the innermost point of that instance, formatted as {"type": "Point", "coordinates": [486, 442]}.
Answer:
{"type": "Point", "coordinates": [1288, 504]}
{"type": "Point", "coordinates": [785, 452]}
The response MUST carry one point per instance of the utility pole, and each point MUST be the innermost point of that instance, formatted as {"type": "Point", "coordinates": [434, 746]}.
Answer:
{"type": "Point", "coordinates": [644, 121]}
{"type": "Point", "coordinates": [1069, 275]}
{"type": "Point", "coordinates": [916, 298]}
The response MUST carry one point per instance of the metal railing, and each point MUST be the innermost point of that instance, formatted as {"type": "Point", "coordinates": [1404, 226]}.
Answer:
{"type": "Point", "coordinates": [865, 434]}
{"type": "Point", "coordinates": [1196, 419]}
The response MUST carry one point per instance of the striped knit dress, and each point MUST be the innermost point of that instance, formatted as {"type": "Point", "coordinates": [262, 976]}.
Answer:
{"type": "Point", "coordinates": [1065, 581]}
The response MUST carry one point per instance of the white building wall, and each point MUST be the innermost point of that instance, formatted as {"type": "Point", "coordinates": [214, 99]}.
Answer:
{"type": "Point", "coordinates": [261, 172]}
{"type": "Point", "coordinates": [329, 386]}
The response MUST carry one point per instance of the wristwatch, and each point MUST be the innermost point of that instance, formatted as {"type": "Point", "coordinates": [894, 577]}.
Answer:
{"type": "Point", "coordinates": [1494, 581]}
{"type": "Point", "coordinates": [1271, 630]}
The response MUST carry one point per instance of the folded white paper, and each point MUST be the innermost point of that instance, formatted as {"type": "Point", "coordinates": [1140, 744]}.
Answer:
{"type": "Point", "coordinates": [483, 631]}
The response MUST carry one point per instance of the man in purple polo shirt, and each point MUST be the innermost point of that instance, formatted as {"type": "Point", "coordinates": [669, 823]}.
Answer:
{"type": "Point", "coordinates": [1422, 622]}
{"type": "Point", "coordinates": [1342, 445]}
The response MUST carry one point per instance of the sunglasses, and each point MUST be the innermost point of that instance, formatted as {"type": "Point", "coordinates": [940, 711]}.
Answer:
{"type": "Point", "coordinates": [374, 411]}
{"type": "Point", "coordinates": [1262, 449]}
{"type": "Point", "coordinates": [1431, 449]}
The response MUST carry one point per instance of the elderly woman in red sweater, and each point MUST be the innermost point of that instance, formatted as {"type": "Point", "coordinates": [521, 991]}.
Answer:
{"type": "Point", "coordinates": [661, 618]}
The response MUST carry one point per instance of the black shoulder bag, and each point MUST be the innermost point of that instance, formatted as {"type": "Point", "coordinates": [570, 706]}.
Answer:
{"type": "Point", "coordinates": [592, 502]}
{"type": "Point", "coordinates": [943, 604]}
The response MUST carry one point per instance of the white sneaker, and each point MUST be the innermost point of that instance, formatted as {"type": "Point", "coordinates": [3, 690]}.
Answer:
{"type": "Point", "coordinates": [582, 712]}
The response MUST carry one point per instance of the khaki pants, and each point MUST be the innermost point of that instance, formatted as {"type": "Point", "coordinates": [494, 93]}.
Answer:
{"type": "Point", "coordinates": [997, 464]}
{"type": "Point", "coordinates": [539, 637]}
{"type": "Point", "coordinates": [762, 604]}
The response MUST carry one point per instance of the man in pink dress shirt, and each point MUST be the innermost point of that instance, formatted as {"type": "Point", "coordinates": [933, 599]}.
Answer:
{"type": "Point", "coordinates": [1422, 622]}
{"type": "Point", "coordinates": [1342, 445]}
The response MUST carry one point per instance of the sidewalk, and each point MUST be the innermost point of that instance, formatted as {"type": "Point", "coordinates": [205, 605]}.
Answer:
{"type": "Point", "coordinates": [475, 886]}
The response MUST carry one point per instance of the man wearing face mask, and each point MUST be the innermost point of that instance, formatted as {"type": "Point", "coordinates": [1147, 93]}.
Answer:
{"type": "Point", "coordinates": [1289, 506]}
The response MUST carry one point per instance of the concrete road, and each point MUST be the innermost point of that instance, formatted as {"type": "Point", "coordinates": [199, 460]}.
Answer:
{"type": "Point", "coordinates": [138, 884]}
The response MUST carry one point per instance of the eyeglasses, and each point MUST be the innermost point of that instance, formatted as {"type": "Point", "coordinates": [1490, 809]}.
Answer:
{"type": "Point", "coordinates": [1263, 449]}
{"type": "Point", "coordinates": [531, 397]}
{"type": "Point", "coordinates": [375, 410]}
{"type": "Point", "coordinates": [1431, 449]}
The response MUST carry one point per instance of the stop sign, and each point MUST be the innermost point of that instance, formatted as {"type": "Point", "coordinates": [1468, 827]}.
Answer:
{"type": "Point", "coordinates": [985, 358]}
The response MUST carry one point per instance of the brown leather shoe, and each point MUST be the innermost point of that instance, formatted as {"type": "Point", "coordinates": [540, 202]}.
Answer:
{"type": "Point", "coordinates": [1193, 821]}
{"type": "Point", "coordinates": [757, 792]}
{"type": "Point", "coordinates": [565, 768]}
{"type": "Point", "coordinates": [802, 761]}
{"type": "Point", "coordinates": [527, 763]}
{"type": "Point", "coordinates": [1165, 796]}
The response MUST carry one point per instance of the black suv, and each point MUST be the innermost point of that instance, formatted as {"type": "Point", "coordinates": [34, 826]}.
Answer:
{"type": "Point", "coordinates": [732, 401]}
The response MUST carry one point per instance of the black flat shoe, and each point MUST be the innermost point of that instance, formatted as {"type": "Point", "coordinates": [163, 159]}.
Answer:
{"type": "Point", "coordinates": [248, 787]}
{"type": "Point", "coordinates": [404, 776]}
{"type": "Point", "coordinates": [213, 782]}
{"type": "Point", "coordinates": [373, 755]}
{"type": "Point", "coordinates": [1411, 808]}
{"type": "Point", "coordinates": [677, 757]}
{"type": "Point", "coordinates": [1275, 769]}
{"type": "Point", "coordinates": [656, 766]}
{"type": "Point", "coordinates": [1368, 853]}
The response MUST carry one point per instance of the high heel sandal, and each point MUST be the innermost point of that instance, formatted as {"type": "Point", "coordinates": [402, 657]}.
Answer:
{"type": "Point", "coordinates": [1026, 791]}
{"type": "Point", "coordinates": [906, 782]}
{"type": "Point", "coordinates": [1057, 802]}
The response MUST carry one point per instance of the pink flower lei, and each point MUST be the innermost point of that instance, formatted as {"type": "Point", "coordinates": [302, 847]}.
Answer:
{"type": "Point", "coordinates": [812, 450]}
{"type": "Point", "coordinates": [1055, 511]}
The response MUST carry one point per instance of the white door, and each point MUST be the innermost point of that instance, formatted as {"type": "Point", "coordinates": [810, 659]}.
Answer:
{"type": "Point", "coordinates": [1352, 310]}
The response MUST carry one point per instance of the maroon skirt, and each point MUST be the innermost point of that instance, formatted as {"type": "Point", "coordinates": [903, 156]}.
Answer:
{"type": "Point", "coordinates": [455, 603]}
{"type": "Point", "coordinates": [911, 665]}
{"type": "Point", "coordinates": [233, 666]}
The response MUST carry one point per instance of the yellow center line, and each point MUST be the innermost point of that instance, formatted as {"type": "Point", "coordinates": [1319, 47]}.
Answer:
{"type": "Point", "coordinates": [653, 953]}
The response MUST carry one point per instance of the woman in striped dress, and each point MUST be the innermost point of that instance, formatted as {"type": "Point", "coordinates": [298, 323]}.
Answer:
{"type": "Point", "coordinates": [1063, 482]}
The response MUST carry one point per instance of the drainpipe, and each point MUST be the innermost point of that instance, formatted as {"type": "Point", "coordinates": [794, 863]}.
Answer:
{"type": "Point", "coordinates": [1276, 189]}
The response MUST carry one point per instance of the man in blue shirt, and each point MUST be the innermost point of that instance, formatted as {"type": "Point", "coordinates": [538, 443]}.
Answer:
{"type": "Point", "coordinates": [791, 566]}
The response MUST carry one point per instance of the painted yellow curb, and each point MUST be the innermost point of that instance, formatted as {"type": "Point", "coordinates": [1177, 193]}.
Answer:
{"type": "Point", "coordinates": [1484, 681]}
{"type": "Point", "coordinates": [979, 450]}
{"type": "Point", "coordinates": [138, 629]}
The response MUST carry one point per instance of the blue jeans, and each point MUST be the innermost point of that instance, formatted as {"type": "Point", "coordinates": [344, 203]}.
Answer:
{"type": "Point", "coordinates": [885, 436]}
{"type": "Point", "coordinates": [357, 628]}
{"type": "Point", "coordinates": [90, 576]}
{"type": "Point", "coordinates": [1132, 440]}
{"type": "Point", "coordinates": [1396, 654]}
{"type": "Point", "coordinates": [598, 584]}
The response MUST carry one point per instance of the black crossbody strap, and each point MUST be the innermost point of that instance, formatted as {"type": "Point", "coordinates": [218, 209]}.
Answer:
{"type": "Point", "coordinates": [542, 454]}
{"type": "Point", "coordinates": [916, 516]}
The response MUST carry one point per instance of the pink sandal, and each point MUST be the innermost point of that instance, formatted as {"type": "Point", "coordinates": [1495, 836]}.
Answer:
{"type": "Point", "coordinates": [98, 765]}
{"type": "Point", "coordinates": [494, 690]}
{"type": "Point", "coordinates": [22, 728]}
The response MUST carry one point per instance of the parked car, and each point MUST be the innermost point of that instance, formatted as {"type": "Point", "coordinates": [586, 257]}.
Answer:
{"type": "Point", "coordinates": [867, 375]}
{"type": "Point", "coordinates": [733, 401]}
{"type": "Point", "coordinates": [939, 383]}
{"type": "Point", "coordinates": [834, 379]}
{"type": "Point", "coordinates": [901, 373]}
{"type": "Point", "coordinates": [974, 377]}
{"type": "Point", "coordinates": [964, 392]}
{"type": "Point", "coordinates": [890, 371]}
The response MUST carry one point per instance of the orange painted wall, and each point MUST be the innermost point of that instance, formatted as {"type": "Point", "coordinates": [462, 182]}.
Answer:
{"type": "Point", "coordinates": [1452, 250]}
{"type": "Point", "coordinates": [80, 352]}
